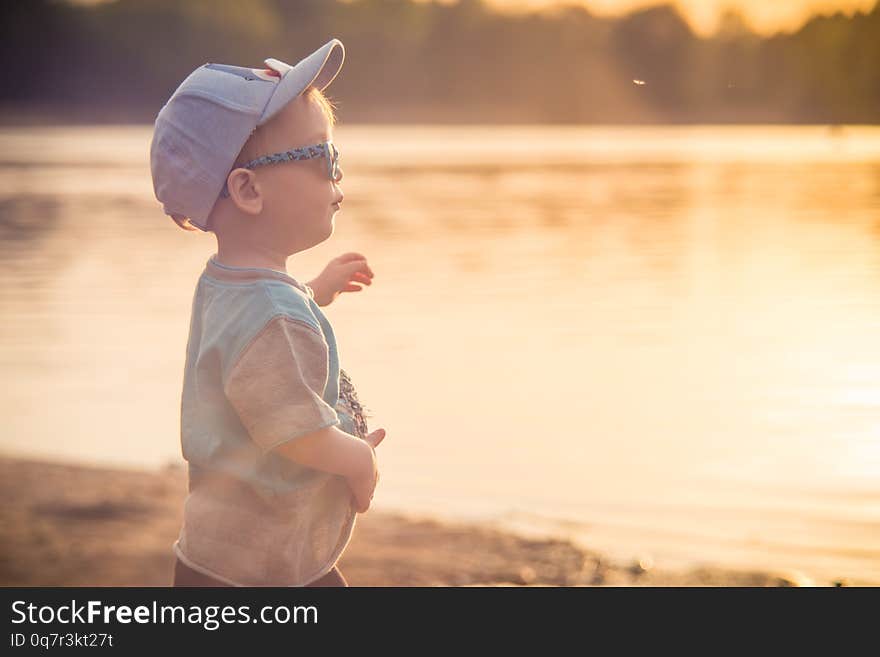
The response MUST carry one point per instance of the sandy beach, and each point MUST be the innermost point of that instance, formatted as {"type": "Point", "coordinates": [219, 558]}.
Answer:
{"type": "Point", "coordinates": [70, 525]}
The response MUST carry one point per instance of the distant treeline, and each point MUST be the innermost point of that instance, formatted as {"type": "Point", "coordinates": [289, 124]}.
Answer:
{"type": "Point", "coordinates": [429, 62]}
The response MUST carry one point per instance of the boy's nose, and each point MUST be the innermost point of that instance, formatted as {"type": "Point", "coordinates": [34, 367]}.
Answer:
{"type": "Point", "coordinates": [339, 174]}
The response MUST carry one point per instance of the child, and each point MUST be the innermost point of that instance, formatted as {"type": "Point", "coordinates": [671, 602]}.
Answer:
{"type": "Point", "coordinates": [278, 455]}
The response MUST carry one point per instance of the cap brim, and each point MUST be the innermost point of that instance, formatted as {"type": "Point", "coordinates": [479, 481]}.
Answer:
{"type": "Point", "coordinates": [318, 69]}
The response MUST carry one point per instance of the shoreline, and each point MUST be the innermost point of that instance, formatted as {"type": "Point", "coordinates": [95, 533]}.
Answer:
{"type": "Point", "coordinates": [76, 525]}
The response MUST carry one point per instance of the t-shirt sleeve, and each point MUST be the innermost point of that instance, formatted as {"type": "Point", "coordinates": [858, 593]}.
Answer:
{"type": "Point", "coordinates": [277, 383]}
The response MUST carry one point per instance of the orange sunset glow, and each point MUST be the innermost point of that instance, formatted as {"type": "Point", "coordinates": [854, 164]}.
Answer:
{"type": "Point", "coordinates": [703, 15]}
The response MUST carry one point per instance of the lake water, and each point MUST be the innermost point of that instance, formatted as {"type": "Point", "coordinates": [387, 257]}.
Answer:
{"type": "Point", "coordinates": [657, 341]}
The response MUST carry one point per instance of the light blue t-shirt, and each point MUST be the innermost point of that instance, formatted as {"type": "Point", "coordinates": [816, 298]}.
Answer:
{"type": "Point", "coordinates": [262, 368]}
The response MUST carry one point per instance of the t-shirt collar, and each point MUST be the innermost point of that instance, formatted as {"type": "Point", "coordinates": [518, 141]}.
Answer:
{"type": "Point", "coordinates": [223, 272]}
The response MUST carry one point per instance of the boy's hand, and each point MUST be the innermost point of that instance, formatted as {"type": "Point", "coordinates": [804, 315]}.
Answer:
{"type": "Point", "coordinates": [364, 483]}
{"type": "Point", "coordinates": [341, 275]}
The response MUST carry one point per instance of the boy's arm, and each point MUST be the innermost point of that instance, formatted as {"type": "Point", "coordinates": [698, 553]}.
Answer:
{"type": "Point", "coordinates": [330, 450]}
{"type": "Point", "coordinates": [336, 452]}
{"type": "Point", "coordinates": [345, 273]}
{"type": "Point", "coordinates": [276, 388]}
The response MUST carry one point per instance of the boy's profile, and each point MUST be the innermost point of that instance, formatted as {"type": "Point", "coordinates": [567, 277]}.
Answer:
{"type": "Point", "coordinates": [278, 453]}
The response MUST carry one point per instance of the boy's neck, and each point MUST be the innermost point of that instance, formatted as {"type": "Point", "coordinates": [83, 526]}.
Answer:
{"type": "Point", "coordinates": [266, 259]}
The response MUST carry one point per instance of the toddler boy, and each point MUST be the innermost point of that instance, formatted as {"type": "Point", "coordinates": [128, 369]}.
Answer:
{"type": "Point", "coordinates": [279, 459]}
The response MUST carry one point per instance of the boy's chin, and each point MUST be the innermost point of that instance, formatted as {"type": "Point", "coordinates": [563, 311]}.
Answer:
{"type": "Point", "coordinates": [323, 235]}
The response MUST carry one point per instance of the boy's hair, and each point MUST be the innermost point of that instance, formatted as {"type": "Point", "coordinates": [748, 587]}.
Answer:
{"type": "Point", "coordinates": [252, 146]}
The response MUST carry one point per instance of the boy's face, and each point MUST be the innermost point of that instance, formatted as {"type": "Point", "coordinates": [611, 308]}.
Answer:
{"type": "Point", "coordinates": [298, 196]}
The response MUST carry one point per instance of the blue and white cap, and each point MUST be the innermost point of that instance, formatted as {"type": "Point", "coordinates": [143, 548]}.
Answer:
{"type": "Point", "coordinates": [201, 129]}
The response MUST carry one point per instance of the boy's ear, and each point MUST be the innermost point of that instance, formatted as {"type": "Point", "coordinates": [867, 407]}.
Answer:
{"type": "Point", "coordinates": [245, 191]}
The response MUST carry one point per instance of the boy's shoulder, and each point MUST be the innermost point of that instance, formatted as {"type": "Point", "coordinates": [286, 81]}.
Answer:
{"type": "Point", "coordinates": [256, 303]}
{"type": "Point", "coordinates": [234, 313]}
{"type": "Point", "coordinates": [231, 318]}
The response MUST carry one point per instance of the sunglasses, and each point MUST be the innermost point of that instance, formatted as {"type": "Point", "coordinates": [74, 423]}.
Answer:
{"type": "Point", "coordinates": [324, 149]}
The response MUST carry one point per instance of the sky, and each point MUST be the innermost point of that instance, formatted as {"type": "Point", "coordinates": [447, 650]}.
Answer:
{"type": "Point", "coordinates": [763, 16]}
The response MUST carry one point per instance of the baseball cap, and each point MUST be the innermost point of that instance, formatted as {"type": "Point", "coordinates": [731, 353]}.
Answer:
{"type": "Point", "coordinates": [200, 131]}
